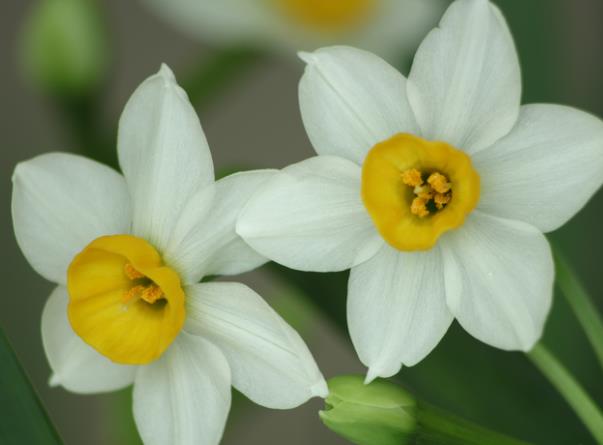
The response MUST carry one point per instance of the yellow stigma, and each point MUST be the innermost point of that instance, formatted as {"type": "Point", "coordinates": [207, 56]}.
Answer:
{"type": "Point", "coordinates": [327, 15]}
{"type": "Point", "coordinates": [415, 190]}
{"type": "Point", "coordinates": [123, 301]}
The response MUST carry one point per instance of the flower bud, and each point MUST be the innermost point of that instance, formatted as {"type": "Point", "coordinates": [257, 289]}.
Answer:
{"type": "Point", "coordinates": [378, 413]}
{"type": "Point", "coordinates": [64, 48]}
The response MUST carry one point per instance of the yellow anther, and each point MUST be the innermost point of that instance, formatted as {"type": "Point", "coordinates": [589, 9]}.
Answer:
{"type": "Point", "coordinates": [437, 189]}
{"type": "Point", "coordinates": [132, 273]}
{"type": "Point", "coordinates": [439, 183]}
{"type": "Point", "coordinates": [133, 293]}
{"type": "Point", "coordinates": [441, 199]}
{"type": "Point", "coordinates": [412, 177]}
{"type": "Point", "coordinates": [419, 207]}
{"type": "Point", "coordinates": [424, 192]}
{"type": "Point", "coordinates": [151, 294]}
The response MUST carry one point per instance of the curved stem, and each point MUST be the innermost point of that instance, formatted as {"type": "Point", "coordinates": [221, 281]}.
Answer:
{"type": "Point", "coordinates": [436, 426]}
{"type": "Point", "coordinates": [579, 300]}
{"type": "Point", "coordinates": [570, 389]}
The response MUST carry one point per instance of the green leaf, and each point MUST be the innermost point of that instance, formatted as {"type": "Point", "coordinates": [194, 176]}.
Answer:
{"type": "Point", "coordinates": [23, 419]}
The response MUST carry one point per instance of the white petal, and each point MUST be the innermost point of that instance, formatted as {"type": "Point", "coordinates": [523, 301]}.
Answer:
{"type": "Point", "coordinates": [209, 245]}
{"type": "Point", "coordinates": [164, 155]}
{"type": "Point", "coordinates": [270, 363]}
{"type": "Point", "coordinates": [225, 22]}
{"type": "Point", "coordinates": [75, 365]}
{"type": "Point", "coordinates": [311, 217]}
{"type": "Point", "coordinates": [62, 202]}
{"type": "Point", "coordinates": [351, 99]}
{"type": "Point", "coordinates": [184, 397]}
{"type": "Point", "coordinates": [465, 82]}
{"type": "Point", "coordinates": [546, 169]}
{"type": "Point", "coordinates": [397, 309]}
{"type": "Point", "coordinates": [499, 280]}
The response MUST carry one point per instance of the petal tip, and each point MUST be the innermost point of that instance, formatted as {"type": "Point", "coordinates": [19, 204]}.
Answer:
{"type": "Point", "coordinates": [166, 72]}
{"type": "Point", "coordinates": [54, 380]}
{"type": "Point", "coordinates": [380, 371]}
{"type": "Point", "coordinates": [307, 57]}
{"type": "Point", "coordinates": [23, 168]}
{"type": "Point", "coordinates": [17, 172]}
{"type": "Point", "coordinates": [320, 389]}
{"type": "Point", "coordinates": [371, 375]}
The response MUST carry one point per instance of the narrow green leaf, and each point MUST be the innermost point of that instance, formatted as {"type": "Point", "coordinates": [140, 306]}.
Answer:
{"type": "Point", "coordinates": [22, 419]}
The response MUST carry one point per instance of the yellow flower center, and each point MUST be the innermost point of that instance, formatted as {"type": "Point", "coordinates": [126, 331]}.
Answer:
{"type": "Point", "coordinates": [415, 190]}
{"type": "Point", "coordinates": [123, 301]}
{"type": "Point", "coordinates": [327, 15]}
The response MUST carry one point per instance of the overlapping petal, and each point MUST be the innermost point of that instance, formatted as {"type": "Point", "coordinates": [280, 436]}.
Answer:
{"type": "Point", "coordinates": [207, 244]}
{"type": "Point", "coordinates": [499, 280]}
{"type": "Point", "coordinates": [164, 155]}
{"type": "Point", "coordinates": [311, 217]}
{"type": "Point", "coordinates": [184, 397]}
{"type": "Point", "coordinates": [75, 365]}
{"type": "Point", "coordinates": [391, 27]}
{"type": "Point", "coordinates": [465, 83]}
{"type": "Point", "coordinates": [351, 99]}
{"type": "Point", "coordinates": [397, 309]}
{"type": "Point", "coordinates": [546, 169]}
{"type": "Point", "coordinates": [270, 363]}
{"type": "Point", "coordinates": [214, 21]}
{"type": "Point", "coordinates": [60, 203]}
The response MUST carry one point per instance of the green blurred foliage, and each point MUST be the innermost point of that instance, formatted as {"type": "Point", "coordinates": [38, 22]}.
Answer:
{"type": "Point", "coordinates": [64, 47]}
{"type": "Point", "coordinates": [25, 421]}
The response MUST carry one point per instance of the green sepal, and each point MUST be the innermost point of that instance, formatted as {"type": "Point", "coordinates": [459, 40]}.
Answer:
{"type": "Point", "coordinates": [377, 414]}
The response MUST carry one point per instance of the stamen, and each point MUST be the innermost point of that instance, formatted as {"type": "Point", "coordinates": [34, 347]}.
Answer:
{"type": "Point", "coordinates": [149, 292]}
{"type": "Point", "coordinates": [436, 190]}
{"type": "Point", "coordinates": [132, 273]}
{"type": "Point", "coordinates": [152, 293]}
{"type": "Point", "coordinates": [133, 294]}
{"type": "Point", "coordinates": [419, 207]}
{"type": "Point", "coordinates": [412, 177]}
{"type": "Point", "coordinates": [441, 200]}
{"type": "Point", "coordinates": [424, 191]}
{"type": "Point", "coordinates": [439, 182]}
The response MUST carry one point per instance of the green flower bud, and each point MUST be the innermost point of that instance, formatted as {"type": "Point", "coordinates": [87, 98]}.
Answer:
{"type": "Point", "coordinates": [64, 48]}
{"type": "Point", "coordinates": [380, 413]}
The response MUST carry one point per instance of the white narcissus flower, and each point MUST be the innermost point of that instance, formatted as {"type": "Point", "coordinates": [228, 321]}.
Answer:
{"type": "Point", "coordinates": [128, 252]}
{"type": "Point", "coordinates": [435, 190]}
{"type": "Point", "coordinates": [389, 27]}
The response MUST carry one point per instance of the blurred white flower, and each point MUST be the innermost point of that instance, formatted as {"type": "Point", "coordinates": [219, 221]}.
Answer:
{"type": "Point", "coordinates": [432, 231]}
{"type": "Point", "coordinates": [391, 28]}
{"type": "Point", "coordinates": [128, 252]}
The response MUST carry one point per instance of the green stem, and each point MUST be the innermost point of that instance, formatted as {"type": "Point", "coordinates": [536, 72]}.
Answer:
{"type": "Point", "coordinates": [437, 427]}
{"type": "Point", "coordinates": [588, 412]}
{"type": "Point", "coordinates": [212, 76]}
{"type": "Point", "coordinates": [91, 139]}
{"type": "Point", "coordinates": [581, 303]}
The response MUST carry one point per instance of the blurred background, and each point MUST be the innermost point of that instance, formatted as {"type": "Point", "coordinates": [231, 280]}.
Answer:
{"type": "Point", "coordinates": [247, 102]}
